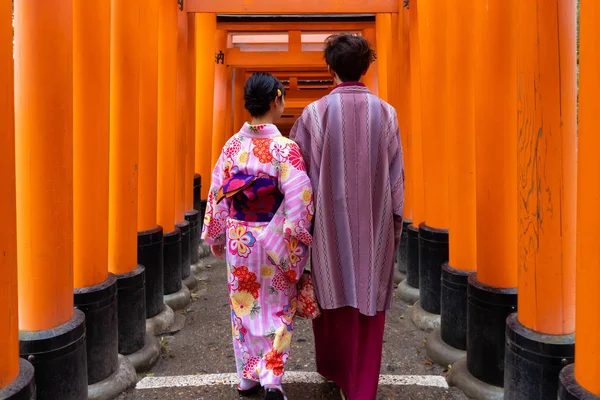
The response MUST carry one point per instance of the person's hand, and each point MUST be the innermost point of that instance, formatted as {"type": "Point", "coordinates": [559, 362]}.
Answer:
{"type": "Point", "coordinates": [218, 251]}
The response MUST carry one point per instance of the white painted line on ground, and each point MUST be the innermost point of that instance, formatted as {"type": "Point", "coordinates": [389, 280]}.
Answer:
{"type": "Point", "coordinates": [157, 382]}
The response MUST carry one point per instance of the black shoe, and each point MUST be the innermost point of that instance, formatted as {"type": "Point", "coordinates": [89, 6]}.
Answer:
{"type": "Point", "coordinates": [274, 394]}
{"type": "Point", "coordinates": [249, 392]}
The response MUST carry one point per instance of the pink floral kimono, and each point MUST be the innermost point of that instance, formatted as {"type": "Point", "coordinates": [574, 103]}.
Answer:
{"type": "Point", "coordinates": [261, 207]}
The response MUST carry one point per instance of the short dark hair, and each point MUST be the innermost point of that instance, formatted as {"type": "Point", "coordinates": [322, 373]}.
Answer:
{"type": "Point", "coordinates": [260, 90]}
{"type": "Point", "coordinates": [349, 55]}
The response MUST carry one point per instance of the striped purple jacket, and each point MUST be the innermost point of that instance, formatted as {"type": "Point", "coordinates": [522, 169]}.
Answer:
{"type": "Point", "coordinates": [350, 141]}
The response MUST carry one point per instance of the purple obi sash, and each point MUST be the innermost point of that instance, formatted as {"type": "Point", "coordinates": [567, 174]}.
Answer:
{"type": "Point", "coordinates": [253, 199]}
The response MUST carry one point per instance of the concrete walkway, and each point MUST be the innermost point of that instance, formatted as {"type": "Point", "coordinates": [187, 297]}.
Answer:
{"type": "Point", "coordinates": [198, 363]}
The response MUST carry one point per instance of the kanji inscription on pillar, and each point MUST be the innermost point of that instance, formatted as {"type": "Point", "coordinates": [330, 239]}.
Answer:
{"type": "Point", "coordinates": [220, 57]}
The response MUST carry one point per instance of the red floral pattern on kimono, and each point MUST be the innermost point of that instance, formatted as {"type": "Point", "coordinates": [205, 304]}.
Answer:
{"type": "Point", "coordinates": [264, 259]}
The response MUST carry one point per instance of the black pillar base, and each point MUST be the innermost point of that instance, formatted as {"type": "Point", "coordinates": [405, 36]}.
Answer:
{"type": "Point", "coordinates": [172, 261]}
{"type": "Point", "coordinates": [99, 304]}
{"type": "Point", "coordinates": [197, 191]}
{"type": "Point", "coordinates": [534, 361]}
{"type": "Point", "coordinates": [23, 387]}
{"type": "Point", "coordinates": [132, 310]}
{"type": "Point", "coordinates": [150, 255]}
{"type": "Point", "coordinates": [412, 256]}
{"type": "Point", "coordinates": [570, 389]}
{"type": "Point", "coordinates": [454, 307]}
{"type": "Point", "coordinates": [202, 213]}
{"type": "Point", "coordinates": [60, 359]}
{"type": "Point", "coordinates": [184, 227]}
{"type": "Point", "coordinates": [193, 217]}
{"type": "Point", "coordinates": [488, 308]}
{"type": "Point", "coordinates": [433, 253]}
{"type": "Point", "coordinates": [402, 253]}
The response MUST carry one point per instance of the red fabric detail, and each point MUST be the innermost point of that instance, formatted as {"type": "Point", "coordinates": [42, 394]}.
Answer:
{"type": "Point", "coordinates": [348, 348]}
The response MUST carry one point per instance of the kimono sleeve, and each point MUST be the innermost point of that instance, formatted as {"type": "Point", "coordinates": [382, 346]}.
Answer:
{"type": "Point", "coordinates": [215, 219]}
{"type": "Point", "coordinates": [396, 171]}
{"type": "Point", "coordinates": [301, 135]}
{"type": "Point", "coordinates": [287, 237]}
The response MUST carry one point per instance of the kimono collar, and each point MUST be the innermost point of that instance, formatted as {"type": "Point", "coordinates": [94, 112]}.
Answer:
{"type": "Point", "coordinates": [350, 87]}
{"type": "Point", "coordinates": [343, 84]}
{"type": "Point", "coordinates": [260, 131]}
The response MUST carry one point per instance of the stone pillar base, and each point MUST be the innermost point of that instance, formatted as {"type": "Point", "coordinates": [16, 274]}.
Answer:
{"type": "Point", "coordinates": [23, 387]}
{"type": "Point", "coordinates": [440, 352]}
{"type": "Point", "coordinates": [398, 276]}
{"type": "Point", "coordinates": [59, 358]}
{"type": "Point", "coordinates": [144, 359]}
{"type": "Point", "coordinates": [131, 300]}
{"type": "Point", "coordinates": [408, 293]}
{"type": "Point", "coordinates": [533, 361]}
{"type": "Point", "coordinates": [570, 389]}
{"type": "Point", "coordinates": [180, 299]}
{"type": "Point", "coordinates": [424, 320]}
{"type": "Point", "coordinates": [472, 387]}
{"type": "Point", "coordinates": [160, 322]}
{"type": "Point", "coordinates": [122, 379]}
{"type": "Point", "coordinates": [99, 304]}
{"type": "Point", "coordinates": [191, 282]}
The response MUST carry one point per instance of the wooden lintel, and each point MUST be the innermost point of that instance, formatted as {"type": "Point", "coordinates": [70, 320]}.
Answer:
{"type": "Point", "coordinates": [299, 75]}
{"type": "Point", "coordinates": [236, 58]}
{"type": "Point", "coordinates": [291, 7]}
{"type": "Point", "coordinates": [289, 26]}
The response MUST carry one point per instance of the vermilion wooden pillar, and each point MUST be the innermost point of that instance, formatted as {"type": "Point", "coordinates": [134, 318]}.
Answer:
{"type": "Point", "coordinates": [95, 288]}
{"type": "Point", "coordinates": [229, 109]}
{"type": "Point", "coordinates": [192, 215]}
{"type": "Point", "coordinates": [48, 323]}
{"type": "Point", "coordinates": [206, 27]}
{"type": "Point", "coordinates": [403, 83]}
{"type": "Point", "coordinates": [400, 91]}
{"type": "Point", "coordinates": [397, 85]}
{"type": "Point", "coordinates": [409, 289]}
{"type": "Point", "coordinates": [124, 127]}
{"type": "Point", "coordinates": [11, 367]}
{"type": "Point", "coordinates": [394, 93]}
{"type": "Point", "coordinates": [180, 158]}
{"type": "Point", "coordinates": [91, 129]}
{"type": "Point", "coordinates": [582, 380]}
{"type": "Point", "coordinates": [147, 173]}
{"type": "Point", "coordinates": [371, 77]}
{"type": "Point", "coordinates": [124, 131]}
{"type": "Point", "coordinates": [383, 33]}
{"type": "Point", "coordinates": [219, 124]}
{"type": "Point", "coordinates": [239, 112]}
{"type": "Point", "coordinates": [150, 234]}
{"type": "Point", "coordinates": [167, 145]}
{"type": "Point", "coordinates": [433, 231]}
{"type": "Point", "coordinates": [547, 192]}
{"type": "Point", "coordinates": [181, 115]}
{"type": "Point", "coordinates": [449, 343]}
{"type": "Point", "coordinates": [190, 153]}
{"type": "Point", "coordinates": [492, 290]}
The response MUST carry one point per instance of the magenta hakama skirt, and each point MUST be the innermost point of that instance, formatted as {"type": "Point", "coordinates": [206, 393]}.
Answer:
{"type": "Point", "coordinates": [348, 348]}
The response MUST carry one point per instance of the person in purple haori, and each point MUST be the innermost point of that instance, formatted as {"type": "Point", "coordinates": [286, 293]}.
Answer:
{"type": "Point", "coordinates": [351, 145]}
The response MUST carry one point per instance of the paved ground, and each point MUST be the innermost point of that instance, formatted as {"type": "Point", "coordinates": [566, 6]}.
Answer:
{"type": "Point", "coordinates": [204, 346]}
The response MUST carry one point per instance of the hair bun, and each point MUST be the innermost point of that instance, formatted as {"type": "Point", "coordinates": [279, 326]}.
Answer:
{"type": "Point", "coordinates": [260, 91]}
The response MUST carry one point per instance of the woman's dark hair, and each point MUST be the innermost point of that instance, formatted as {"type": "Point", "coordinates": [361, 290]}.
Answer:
{"type": "Point", "coordinates": [349, 56]}
{"type": "Point", "coordinates": [260, 90]}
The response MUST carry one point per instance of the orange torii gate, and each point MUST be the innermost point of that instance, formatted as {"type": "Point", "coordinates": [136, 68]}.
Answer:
{"type": "Point", "coordinates": [483, 217]}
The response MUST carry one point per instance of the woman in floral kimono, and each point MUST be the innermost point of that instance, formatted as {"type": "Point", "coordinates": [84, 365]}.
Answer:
{"type": "Point", "coordinates": [258, 218]}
